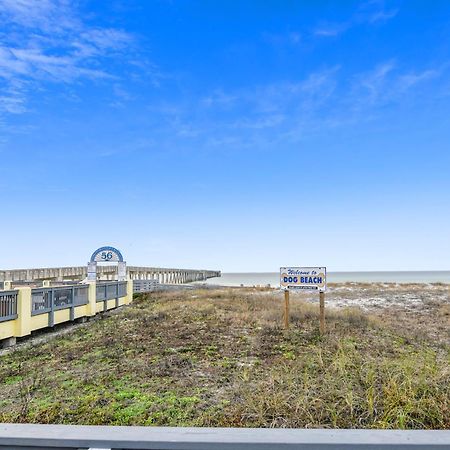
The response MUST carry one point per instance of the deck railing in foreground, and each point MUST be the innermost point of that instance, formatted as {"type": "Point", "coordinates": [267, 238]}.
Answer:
{"type": "Point", "coordinates": [28, 437]}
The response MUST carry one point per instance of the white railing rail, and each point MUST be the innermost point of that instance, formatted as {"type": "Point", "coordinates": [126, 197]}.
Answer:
{"type": "Point", "coordinates": [28, 437]}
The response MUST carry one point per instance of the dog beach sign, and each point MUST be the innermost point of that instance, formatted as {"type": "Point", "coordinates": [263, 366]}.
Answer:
{"type": "Point", "coordinates": [308, 278]}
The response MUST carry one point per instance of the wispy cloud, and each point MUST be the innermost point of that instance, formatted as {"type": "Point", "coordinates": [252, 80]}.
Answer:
{"type": "Point", "coordinates": [218, 98]}
{"type": "Point", "coordinates": [260, 123]}
{"type": "Point", "coordinates": [383, 15]}
{"type": "Point", "coordinates": [331, 30]}
{"type": "Point", "coordinates": [410, 79]}
{"type": "Point", "coordinates": [385, 84]}
{"type": "Point", "coordinates": [291, 37]}
{"type": "Point", "coordinates": [251, 116]}
{"type": "Point", "coordinates": [374, 83]}
{"type": "Point", "coordinates": [46, 15]}
{"type": "Point", "coordinates": [48, 41]}
{"type": "Point", "coordinates": [288, 111]}
{"type": "Point", "coordinates": [13, 101]}
{"type": "Point", "coordinates": [305, 94]}
{"type": "Point", "coordinates": [371, 13]}
{"type": "Point", "coordinates": [34, 63]}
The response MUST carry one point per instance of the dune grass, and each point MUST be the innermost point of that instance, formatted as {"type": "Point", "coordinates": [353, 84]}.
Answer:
{"type": "Point", "coordinates": [222, 358]}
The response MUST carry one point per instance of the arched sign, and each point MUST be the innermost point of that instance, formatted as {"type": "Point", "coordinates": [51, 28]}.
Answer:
{"type": "Point", "coordinates": [107, 254]}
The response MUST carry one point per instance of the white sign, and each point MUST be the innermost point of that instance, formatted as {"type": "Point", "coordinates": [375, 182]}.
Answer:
{"type": "Point", "coordinates": [308, 278]}
{"type": "Point", "coordinates": [92, 271]}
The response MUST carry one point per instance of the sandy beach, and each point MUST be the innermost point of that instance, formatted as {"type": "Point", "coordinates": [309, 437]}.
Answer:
{"type": "Point", "coordinates": [420, 308]}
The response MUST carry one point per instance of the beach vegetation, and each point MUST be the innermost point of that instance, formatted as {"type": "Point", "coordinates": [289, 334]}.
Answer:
{"type": "Point", "coordinates": [222, 358]}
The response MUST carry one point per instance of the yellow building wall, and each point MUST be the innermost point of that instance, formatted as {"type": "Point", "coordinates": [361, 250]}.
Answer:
{"type": "Point", "coordinates": [62, 316]}
{"type": "Point", "coordinates": [23, 322]}
{"type": "Point", "coordinates": [111, 304]}
{"type": "Point", "coordinates": [81, 311]}
{"type": "Point", "coordinates": [8, 329]}
{"type": "Point", "coordinates": [98, 307]}
{"type": "Point", "coordinates": [39, 321]}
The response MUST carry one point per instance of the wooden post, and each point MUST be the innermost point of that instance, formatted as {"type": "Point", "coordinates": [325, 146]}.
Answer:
{"type": "Point", "coordinates": [322, 312]}
{"type": "Point", "coordinates": [286, 309]}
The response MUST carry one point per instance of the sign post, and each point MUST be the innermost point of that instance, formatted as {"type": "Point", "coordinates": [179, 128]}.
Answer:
{"type": "Point", "coordinates": [322, 312]}
{"type": "Point", "coordinates": [286, 309]}
{"type": "Point", "coordinates": [304, 278]}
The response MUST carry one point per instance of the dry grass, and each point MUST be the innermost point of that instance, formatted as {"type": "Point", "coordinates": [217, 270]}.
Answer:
{"type": "Point", "coordinates": [221, 358]}
{"type": "Point", "coordinates": [415, 309]}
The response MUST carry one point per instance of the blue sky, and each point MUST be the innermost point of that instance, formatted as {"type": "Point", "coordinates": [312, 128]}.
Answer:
{"type": "Point", "coordinates": [242, 136]}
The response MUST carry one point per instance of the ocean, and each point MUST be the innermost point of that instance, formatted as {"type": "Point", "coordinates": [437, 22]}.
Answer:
{"type": "Point", "coordinates": [273, 278]}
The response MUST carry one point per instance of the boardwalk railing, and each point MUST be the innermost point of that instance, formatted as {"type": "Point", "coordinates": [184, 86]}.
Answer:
{"type": "Point", "coordinates": [24, 310]}
{"type": "Point", "coordinates": [109, 291]}
{"type": "Point", "coordinates": [163, 275]}
{"type": "Point", "coordinates": [8, 305]}
{"type": "Point", "coordinates": [28, 437]}
{"type": "Point", "coordinates": [44, 300]}
{"type": "Point", "coordinates": [49, 300]}
{"type": "Point", "coordinates": [145, 285]}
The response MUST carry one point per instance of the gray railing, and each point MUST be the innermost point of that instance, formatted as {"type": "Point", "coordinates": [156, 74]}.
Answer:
{"type": "Point", "coordinates": [111, 291]}
{"type": "Point", "coordinates": [8, 305]}
{"type": "Point", "coordinates": [145, 285]}
{"type": "Point", "coordinates": [44, 300]}
{"type": "Point", "coordinates": [19, 436]}
{"type": "Point", "coordinates": [62, 298]}
{"type": "Point", "coordinates": [81, 295]}
{"type": "Point", "coordinates": [51, 299]}
{"type": "Point", "coordinates": [41, 300]}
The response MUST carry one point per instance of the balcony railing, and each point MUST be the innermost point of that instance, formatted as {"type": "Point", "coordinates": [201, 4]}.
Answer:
{"type": "Point", "coordinates": [39, 437]}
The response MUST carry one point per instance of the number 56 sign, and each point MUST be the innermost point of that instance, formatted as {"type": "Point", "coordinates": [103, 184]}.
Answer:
{"type": "Point", "coordinates": [107, 254]}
